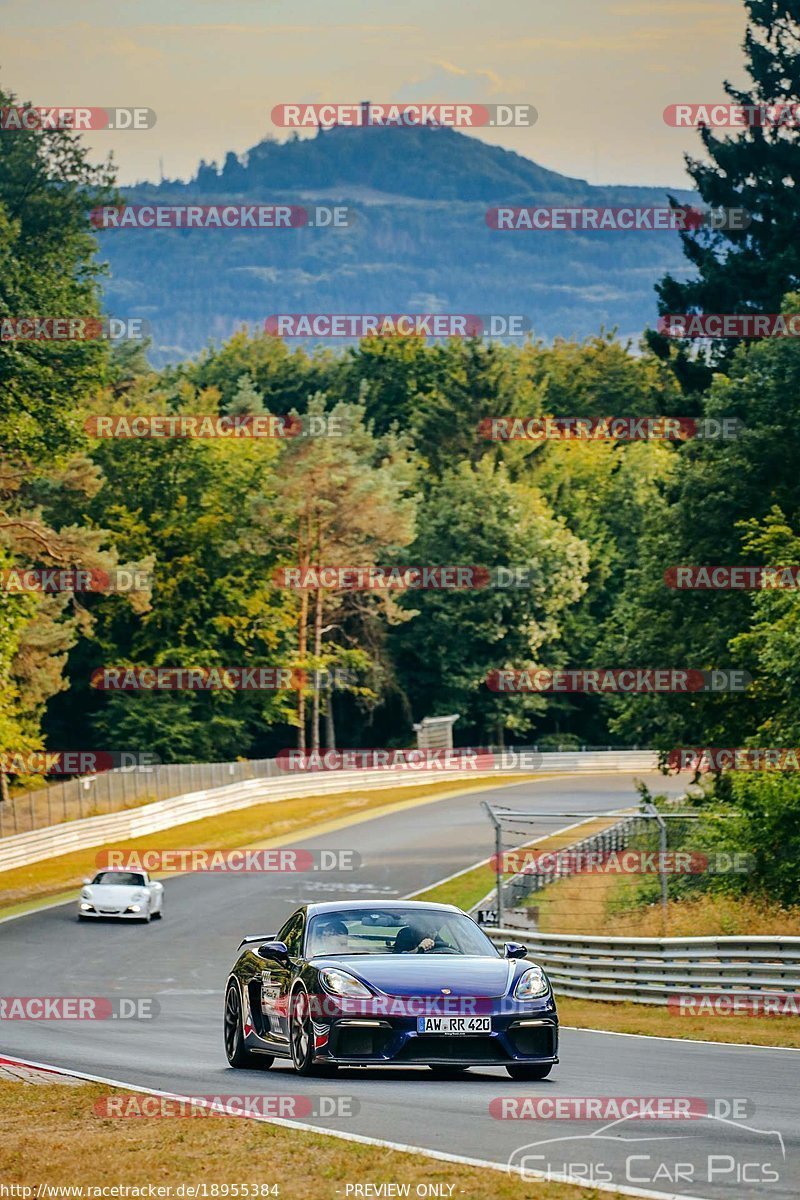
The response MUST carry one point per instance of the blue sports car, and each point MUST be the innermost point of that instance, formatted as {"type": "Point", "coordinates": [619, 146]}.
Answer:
{"type": "Point", "coordinates": [398, 983]}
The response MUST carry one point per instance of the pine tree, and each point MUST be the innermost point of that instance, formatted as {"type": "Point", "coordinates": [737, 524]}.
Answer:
{"type": "Point", "coordinates": [757, 169]}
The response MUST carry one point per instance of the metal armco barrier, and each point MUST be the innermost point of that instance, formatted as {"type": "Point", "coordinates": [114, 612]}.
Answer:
{"type": "Point", "coordinates": [23, 848]}
{"type": "Point", "coordinates": [651, 970]}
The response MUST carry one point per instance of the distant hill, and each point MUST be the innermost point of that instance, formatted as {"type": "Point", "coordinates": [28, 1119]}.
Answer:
{"type": "Point", "coordinates": [420, 242]}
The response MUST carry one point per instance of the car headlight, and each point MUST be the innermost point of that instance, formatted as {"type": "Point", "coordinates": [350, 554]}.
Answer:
{"type": "Point", "coordinates": [532, 984]}
{"type": "Point", "coordinates": [86, 894]}
{"type": "Point", "coordinates": [342, 984]}
{"type": "Point", "coordinates": [137, 897]}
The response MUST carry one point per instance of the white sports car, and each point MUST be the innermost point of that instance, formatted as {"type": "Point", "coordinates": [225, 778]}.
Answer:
{"type": "Point", "coordinates": [128, 895]}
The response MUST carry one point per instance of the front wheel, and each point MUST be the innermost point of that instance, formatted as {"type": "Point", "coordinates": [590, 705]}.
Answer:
{"type": "Point", "coordinates": [235, 1050]}
{"type": "Point", "coordinates": [530, 1070]}
{"type": "Point", "coordinates": [301, 1035]}
{"type": "Point", "coordinates": [301, 1038]}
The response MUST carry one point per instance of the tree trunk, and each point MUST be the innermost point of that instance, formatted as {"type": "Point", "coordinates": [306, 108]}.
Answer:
{"type": "Point", "coordinates": [3, 796]}
{"type": "Point", "coordinates": [302, 648]}
{"type": "Point", "coordinates": [330, 732]}
{"type": "Point", "coordinates": [317, 656]}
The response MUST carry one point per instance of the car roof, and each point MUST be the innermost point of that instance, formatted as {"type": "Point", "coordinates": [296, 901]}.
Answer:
{"type": "Point", "coordinates": [328, 906]}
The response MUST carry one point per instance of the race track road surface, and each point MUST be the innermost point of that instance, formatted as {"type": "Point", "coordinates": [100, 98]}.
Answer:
{"type": "Point", "coordinates": [183, 963]}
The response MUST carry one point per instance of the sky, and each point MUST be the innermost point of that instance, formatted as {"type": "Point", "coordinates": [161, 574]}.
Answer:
{"type": "Point", "coordinates": [599, 72]}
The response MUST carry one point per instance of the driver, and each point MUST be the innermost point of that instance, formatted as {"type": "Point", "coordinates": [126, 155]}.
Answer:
{"type": "Point", "coordinates": [332, 936]}
{"type": "Point", "coordinates": [416, 941]}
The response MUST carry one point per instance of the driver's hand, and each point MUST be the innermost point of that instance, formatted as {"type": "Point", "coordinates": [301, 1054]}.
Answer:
{"type": "Point", "coordinates": [426, 944]}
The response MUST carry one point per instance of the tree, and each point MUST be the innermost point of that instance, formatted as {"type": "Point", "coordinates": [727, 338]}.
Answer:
{"type": "Point", "coordinates": [348, 502]}
{"type": "Point", "coordinates": [757, 169]}
{"type": "Point", "coordinates": [47, 269]}
{"type": "Point", "coordinates": [707, 513]}
{"type": "Point", "coordinates": [476, 516]}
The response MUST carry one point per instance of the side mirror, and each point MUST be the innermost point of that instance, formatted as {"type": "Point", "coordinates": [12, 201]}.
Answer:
{"type": "Point", "coordinates": [515, 950]}
{"type": "Point", "coordinates": [158, 886]}
{"type": "Point", "coordinates": [87, 880]}
{"type": "Point", "coordinates": [278, 950]}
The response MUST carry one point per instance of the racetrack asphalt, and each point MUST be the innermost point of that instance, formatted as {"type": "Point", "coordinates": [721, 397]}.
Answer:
{"type": "Point", "coordinates": [183, 962]}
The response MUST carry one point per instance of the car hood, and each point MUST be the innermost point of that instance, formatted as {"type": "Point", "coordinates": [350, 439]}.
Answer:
{"type": "Point", "coordinates": [427, 974]}
{"type": "Point", "coordinates": [113, 893]}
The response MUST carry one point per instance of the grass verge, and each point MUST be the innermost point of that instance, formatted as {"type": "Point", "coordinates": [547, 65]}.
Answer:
{"type": "Point", "coordinates": [257, 825]}
{"type": "Point", "coordinates": [656, 1021]}
{"type": "Point", "coordinates": [49, 1134]}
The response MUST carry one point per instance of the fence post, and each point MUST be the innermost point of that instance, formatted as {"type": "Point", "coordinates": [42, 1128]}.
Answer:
{"type": "Point", "coordinates": [653, 812]}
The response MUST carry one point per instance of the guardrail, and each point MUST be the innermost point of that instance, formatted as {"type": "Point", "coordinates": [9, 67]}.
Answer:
{"type": "Point", "coordinates": [27, 848]}
{"type": "Point", "coordinates": [23, 848]}
{"type": "Point", "coordinates": [118, 790]}
{"type": "Point", "coordinates": [651, 970]}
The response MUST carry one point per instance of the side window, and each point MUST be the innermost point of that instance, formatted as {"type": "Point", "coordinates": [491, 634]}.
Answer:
{"type": "Point", "coordinates": [292, 934]}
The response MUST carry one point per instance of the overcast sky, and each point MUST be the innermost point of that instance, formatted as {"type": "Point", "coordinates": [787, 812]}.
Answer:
{"type": "Point", "coordinates": [599, 72]}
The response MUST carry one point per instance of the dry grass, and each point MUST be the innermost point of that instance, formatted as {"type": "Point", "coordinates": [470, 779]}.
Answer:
{"type": "Point", "coordinates": [254, 825]}
{"type": "Point", "coordinates": [49, 1134]}
{"type": "Point", "coordinates": [470, 886]}
{"type": "Point", "coordinates": [657, 1021]}
{"type": "Point", "coordinates": [595, 904]}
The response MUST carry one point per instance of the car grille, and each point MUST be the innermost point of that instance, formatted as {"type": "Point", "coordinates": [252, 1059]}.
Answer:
{"type": "Point", "coordinates": [353, 1041]}
{"type": "Point", "coordinates": [477, 1049]}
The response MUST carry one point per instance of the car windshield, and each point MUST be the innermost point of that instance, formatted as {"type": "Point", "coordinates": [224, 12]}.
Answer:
{"type": "Point", "coordinates": [121, 878]}
{"type": "Point", "coordinates": [395, 931]}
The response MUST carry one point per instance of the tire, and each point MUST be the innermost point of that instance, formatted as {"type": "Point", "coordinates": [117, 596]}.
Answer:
{"type": "Point", "coordinates": [156, 916]}
{"type": "Point", "coordinates": [301, 1037]}
{"type": "Point", "coordinates": [235, 1050]}
{"type": "Point", "coordinates": [447, 1070]}
{"type": "Point", "coordinates": [530, 1070]}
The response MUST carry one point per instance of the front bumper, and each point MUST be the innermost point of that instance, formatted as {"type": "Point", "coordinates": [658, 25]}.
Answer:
{"type": "Point", "coordinates": [114, 915]}
{"type": "Point", "coordinates": [518, 1037]}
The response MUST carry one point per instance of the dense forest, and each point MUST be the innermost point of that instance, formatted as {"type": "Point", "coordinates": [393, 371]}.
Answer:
{"type": "Point", "coordinates": [403, 474]}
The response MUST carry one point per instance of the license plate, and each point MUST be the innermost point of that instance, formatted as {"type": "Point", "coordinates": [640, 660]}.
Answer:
{"type": "Point", "coordinates": [454, 1025]}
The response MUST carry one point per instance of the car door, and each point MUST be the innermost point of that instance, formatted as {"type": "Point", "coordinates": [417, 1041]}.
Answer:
{"type": "Point", "coordinates": [276, 980]}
